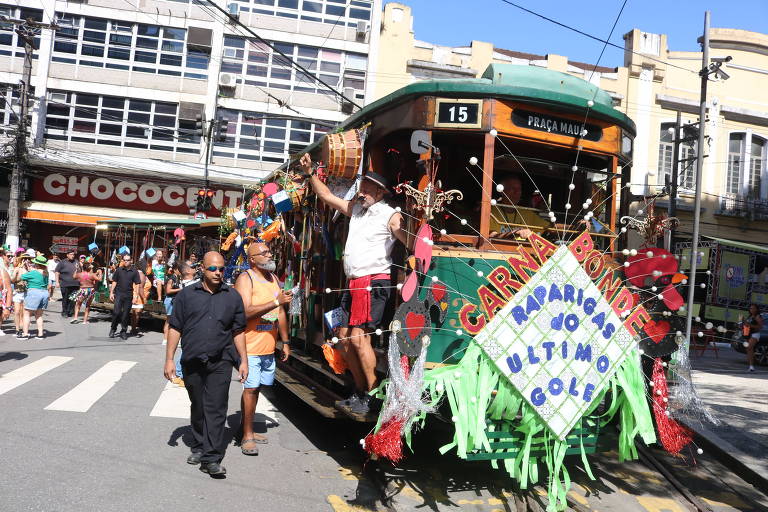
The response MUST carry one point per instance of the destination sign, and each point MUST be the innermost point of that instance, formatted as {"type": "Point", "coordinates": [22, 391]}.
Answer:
{"type": "Point", "coordinates": [458, 113]}
{"type": "Point", "coordinates": [556, 125]}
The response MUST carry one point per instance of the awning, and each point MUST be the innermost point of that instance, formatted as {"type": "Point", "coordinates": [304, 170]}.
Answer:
{"type": "Point", "coordinates": [213, 221]}
{"type": "Point", "coordinates": [78, 215]}
{"type": "Point", "coordinates": [740, 245]}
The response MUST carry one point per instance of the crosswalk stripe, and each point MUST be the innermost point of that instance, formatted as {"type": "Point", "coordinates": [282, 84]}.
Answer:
{"type": "Point", "coordinates": [30, 371]}
{"type": "Point", "coordinates": [84, 395]}
{"type": "Point", "coordinates": [173, 403]}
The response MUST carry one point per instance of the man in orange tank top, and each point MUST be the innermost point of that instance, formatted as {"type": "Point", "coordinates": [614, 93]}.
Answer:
{"type": "Point", "coordinates": [266, 319]}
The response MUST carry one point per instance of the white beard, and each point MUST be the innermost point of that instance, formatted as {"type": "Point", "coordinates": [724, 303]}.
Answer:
{"type": "Point", "coordinates": [269, 266]}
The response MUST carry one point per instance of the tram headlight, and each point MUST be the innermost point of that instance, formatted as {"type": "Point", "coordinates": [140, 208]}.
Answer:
{"type": "Point", "coordinates": [626, 145]}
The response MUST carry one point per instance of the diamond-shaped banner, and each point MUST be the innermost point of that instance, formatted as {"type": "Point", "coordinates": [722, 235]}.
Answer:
{"type": "Point", "coordinates": [558, 341]}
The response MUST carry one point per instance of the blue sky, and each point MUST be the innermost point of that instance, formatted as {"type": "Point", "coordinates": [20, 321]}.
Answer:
{"type": "Point", "coordinates": [457, 22]}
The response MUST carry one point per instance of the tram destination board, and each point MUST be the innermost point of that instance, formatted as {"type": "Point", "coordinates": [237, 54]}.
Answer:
{"type": "Point", "coordinates": [460, 113]}
{"type": "Point", "coordinates": [553, 124]}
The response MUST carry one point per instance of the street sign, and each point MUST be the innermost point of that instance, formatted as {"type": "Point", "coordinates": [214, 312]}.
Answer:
{"type": "Point", "coordinates": [61, 248]}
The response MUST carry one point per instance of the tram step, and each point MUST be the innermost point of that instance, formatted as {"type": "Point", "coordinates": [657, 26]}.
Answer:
{"type": "Point", "coordinates": [320, 399]}
{"type": "Point", "coordinates": [315, 364]}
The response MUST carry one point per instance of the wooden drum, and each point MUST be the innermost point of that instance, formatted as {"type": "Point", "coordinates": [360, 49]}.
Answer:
{"type": "Point", "coordinates": [343, 152]}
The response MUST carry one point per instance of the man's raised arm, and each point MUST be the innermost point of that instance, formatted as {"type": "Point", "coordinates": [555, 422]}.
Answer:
{"type": "Point", "coordinates": [322, 191]}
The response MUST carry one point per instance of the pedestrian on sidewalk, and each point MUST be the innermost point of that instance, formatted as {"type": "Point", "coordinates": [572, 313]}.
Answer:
{"type": "Point", "coordinates": [65, 277]}
{"type": "Point", "coordinates": [36, 298]}
{"type": "Point", "coordinates": [53, 262]}
{"type": "Point", "coordinates": [264, 302]}
{"type": "Point", "coordinates": [210, 318]}
{"type": "Point", "coordinates": [88, 281]}
{"type": "Point", "coordinates": [125, 283]}
{"type": "Point", "coordinates": [6, 287]}
{"type": "Point", "coordinates": [20, 264]}
{"type": "Point", "coordinates": [139, 301]}
{"type": "Point", "coordinates": [751, 327]}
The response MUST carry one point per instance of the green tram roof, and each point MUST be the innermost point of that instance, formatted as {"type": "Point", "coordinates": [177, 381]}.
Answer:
{"type": "Point", "coordinates": [527, 84]}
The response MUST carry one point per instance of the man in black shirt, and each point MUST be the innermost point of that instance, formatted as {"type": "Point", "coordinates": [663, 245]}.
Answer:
{"type": "Point", "coordinates": [209, 316]}
{"type": "Point", "coordinates": [125, 282]}
{"type": "Point", "coordinates": [65, 275]}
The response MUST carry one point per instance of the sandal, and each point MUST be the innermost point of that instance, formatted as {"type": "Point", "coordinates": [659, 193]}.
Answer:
{"type": "Point", "coordinates": [260, 439]}
{"type": "Point", "coordinates": [253, 450]}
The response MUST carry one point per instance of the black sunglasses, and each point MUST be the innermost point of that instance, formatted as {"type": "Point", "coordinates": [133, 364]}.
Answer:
{"type": "Point", "coordinates": [214, 268]}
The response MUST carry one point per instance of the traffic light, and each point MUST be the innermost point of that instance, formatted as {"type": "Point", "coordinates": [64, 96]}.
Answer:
{"type": "Point", "coordinates": [220, 130]}
{"type": "Point", "coordinates": [199, 125]}
{"type": "Point", "coordinates": [204, 200]}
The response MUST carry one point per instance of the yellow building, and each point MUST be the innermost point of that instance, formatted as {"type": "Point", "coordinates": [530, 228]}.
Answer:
{"type": "Point", "coordinates": [652, 85]}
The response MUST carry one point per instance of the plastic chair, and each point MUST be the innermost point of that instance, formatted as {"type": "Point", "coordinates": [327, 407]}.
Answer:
{"type": "Point", "coordinates": [703, 343]}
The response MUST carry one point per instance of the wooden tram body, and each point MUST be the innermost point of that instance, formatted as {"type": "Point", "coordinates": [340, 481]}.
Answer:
{"type": "Point", "coordinates": [560, 128]}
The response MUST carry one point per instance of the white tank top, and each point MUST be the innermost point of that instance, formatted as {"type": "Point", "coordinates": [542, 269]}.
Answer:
{"type": "Point", "coordinates": [369, 242]}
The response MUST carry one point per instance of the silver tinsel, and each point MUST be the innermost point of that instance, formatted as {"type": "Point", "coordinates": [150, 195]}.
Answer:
{"type": "Point", "coordinates": [298, 297]}
{"type": "Point", "coordinates": [405, 397]}
{"type": "Point", "coordinates": [687, 403]}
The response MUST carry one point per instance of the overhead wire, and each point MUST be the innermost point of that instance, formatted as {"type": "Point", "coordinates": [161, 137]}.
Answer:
{"type": "Point", "coordinates": [590, 36]}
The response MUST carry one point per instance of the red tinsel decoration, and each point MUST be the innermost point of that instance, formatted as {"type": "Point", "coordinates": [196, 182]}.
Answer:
{"type": "Point", "coordinates": [388, 441]}
{"type": "Point", "coordinates": [673, 436]}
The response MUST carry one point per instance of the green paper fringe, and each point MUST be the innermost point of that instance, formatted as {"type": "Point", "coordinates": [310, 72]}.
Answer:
{"type": "Point", "coordinates": [468, 387]}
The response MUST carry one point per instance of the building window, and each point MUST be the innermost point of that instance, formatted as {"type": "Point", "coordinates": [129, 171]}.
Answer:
{"type": "Point", "coordinates": [334, 12]}
{"type": "Point", "coordinates": [257, 64]}
{"type": "Point", "coordinates": [259, 136]}
{"type": "Point", "coordinates": [118, 121]}
{"type": "Point", "coordinates": [687, 153]}
{"type": "Point", "coordinates": [10, 42]}
{"type": "Point", "coordinates": [127, 46]}
{"type": "Point", "coordinates": [756, 166]}
{"type": "Point", "coordinates": [735, 158]}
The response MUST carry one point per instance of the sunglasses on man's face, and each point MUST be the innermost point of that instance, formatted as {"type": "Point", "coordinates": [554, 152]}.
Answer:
{"type": "Point", "coordinates": [214, 268]}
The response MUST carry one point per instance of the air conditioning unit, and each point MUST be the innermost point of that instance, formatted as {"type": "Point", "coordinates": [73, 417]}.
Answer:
{"type": "Point", "coordinates": [230, 53]}
{"type": "Point", "coordinates": [57, 97]}
{"type": "Point", "coordinates": [347, 105]}
{"type": "Point", "coordinates": [233, 10]}
{"type": "Point", "coordinates": [227, 80]}
{"type": "Point", "coordinates": [362, 29]}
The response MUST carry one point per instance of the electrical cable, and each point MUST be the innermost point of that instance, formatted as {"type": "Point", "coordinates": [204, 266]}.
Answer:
{"type": "Point", "coordinates": [595, 38]}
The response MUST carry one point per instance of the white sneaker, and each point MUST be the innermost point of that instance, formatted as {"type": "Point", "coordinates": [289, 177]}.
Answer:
{"type": "Point", "coordinates": [751, 369]}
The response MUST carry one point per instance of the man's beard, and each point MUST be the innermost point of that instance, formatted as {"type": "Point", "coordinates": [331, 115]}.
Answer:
{"type": "Point", "coordinates": [269, 266]}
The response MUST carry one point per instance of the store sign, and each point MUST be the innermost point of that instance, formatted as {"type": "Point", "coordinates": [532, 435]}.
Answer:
{"type": "Point", "coordinates": [134, 195]}
{"type": "Point", "coordinates": [64, 244]}
{"type": "Point", "coordinates": [557, 125]}
{"type": "Point", "coordinates": [558, 341]}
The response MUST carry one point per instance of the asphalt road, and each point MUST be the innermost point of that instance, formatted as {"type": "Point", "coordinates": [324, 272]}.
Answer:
{"type": "Point", "coordinates": [91, 424]}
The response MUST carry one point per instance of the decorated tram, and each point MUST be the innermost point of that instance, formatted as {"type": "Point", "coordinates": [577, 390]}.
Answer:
{"type": "Point", "coordinates": [519, 316]}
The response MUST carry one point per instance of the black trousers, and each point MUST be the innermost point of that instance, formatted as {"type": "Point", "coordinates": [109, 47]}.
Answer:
{"type": "Point", "coordinates": [67, 305]}
{"type": "Point", "coordinates": [207, 384]}
{"type": "Point", "coordinates": [121, 312]}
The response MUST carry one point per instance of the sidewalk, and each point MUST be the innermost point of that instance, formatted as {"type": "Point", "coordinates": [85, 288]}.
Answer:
{"type": "Point", "coordinates": [740, 401]}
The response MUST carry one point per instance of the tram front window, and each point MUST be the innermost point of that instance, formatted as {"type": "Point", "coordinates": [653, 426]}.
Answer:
{"type": "Point", "coordinates": [515, 214]}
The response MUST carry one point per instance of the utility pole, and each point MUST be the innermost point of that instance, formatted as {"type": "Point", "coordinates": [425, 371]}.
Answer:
{"type": "Point", "coordinates": [704, 73]}
{"type": "Point", "coordinates": [669, 236]}
{"type": "Point", "coordinates": [26, 31]}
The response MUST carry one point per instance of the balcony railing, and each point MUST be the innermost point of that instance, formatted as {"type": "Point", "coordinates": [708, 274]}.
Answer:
{"type": "Point", "coordinates": [740, 206]}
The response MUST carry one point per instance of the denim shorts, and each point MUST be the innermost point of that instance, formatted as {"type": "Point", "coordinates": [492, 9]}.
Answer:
{"type": "Point", "coordinates": [36, 299]}
{"type": "Point", "coordinates": [261, 371]}
{"type": "Point", "coordinates": [168, 303]}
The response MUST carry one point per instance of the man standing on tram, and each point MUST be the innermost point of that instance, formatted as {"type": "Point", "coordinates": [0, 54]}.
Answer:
{"type": "Point", "coordinates": [373, 228]}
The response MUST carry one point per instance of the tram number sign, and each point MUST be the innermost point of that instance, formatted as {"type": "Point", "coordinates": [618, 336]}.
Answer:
{"type": "Point", "coordinates": [458, 113]}
{"type": "Point", "coordinates": [557, 125]}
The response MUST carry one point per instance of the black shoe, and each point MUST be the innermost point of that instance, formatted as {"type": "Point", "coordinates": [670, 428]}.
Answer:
{"type": "Point", "coordinates": [213, 468]}
{"type": "Point", "coordinates": [349, 402]}
{"type": "Point", "coordinates": [123, 335]}
{"type": "Point", "coordinates": [363, 405]}
{"type": "Point", "coordinates": [194, 458]}
{"type": "Point", "coordinates": [111, 334]}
